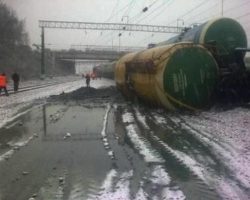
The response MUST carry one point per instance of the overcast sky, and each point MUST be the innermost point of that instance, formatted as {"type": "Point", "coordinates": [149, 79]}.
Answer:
{"type": "Point", "coordinates": [160, 12]}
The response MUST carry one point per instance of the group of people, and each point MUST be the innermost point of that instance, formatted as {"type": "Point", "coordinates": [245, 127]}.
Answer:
{"type": "Point", "coordinates": [3, 82]}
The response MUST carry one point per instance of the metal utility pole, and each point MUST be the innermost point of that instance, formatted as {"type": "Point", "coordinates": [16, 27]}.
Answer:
{"type": "Point", "coordinates": [180, 20]}
{"type": "Point", "coordinates": [125, 17]}
{"type": "Point", "coordinates": [222, 2]}
{"type": "Point", "coordinates": [42, 56]}
{"type": "Point", "coordinates": [119, 41]}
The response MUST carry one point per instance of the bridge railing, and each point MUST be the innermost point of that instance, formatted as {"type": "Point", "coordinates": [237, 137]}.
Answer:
{"type": "Point", "coordinates": [88, 48]}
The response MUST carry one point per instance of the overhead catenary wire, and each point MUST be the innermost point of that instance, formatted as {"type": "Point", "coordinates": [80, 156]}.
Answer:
{"type": "Point", "coordinates": [226, 11]}
{"type": "Point", "coordinates": [132, 19]}
{"type": "Point", "coordinates": [119, 10]}
{"type": "Point", "coordinates": [158, 14]}
{"type": "Point", "coordinates": [164, 7]}
{"type": "Point", "coordinates": [199, 14]}
{"type": "Point", "coordinates": [218, 14]}
{"type": "Point", "coordinates": [137, 19]}
{"type": "Point", "coordinates": [129, 8]}
{"type": "Point", "coordinates": [153, 11]}
{"type": "Point", "coordinates": [234, 8]}
{"type": "Point", "coordinates": [127, 5]}
{"type": "Point", "coordinates": [160, 6]}
{"type": "Point", "coordinates": [201, 4]}
{"type": "Point", "coordinates": [145, 9]}
{"type": "Point", "coordinates": [243, 15]}
{"type": "Point", "coordinates": [117, 3]}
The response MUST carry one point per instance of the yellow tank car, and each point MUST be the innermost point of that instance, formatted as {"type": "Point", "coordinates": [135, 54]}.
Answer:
{"type": "Point", "coordinates": [178, 76]}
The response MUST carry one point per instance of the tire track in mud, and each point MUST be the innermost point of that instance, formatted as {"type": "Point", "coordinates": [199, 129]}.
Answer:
{"type": "Point", "coordinates": [180, 166]}
{"type": "Point", "coordinates": [153, 181]}
{"type": "Point", "coordinates": [195, 144]}
{"type": "Point", "coordinates": [136, 174]}
{"type": "Point", "coordinates": [223, 152]}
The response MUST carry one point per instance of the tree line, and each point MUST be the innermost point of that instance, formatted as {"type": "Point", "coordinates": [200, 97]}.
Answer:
{"type": "Point", "coordinates": [17, 55]}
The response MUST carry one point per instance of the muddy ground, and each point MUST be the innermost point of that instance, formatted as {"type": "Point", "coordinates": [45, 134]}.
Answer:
{"type": "Point", "coordinates": [91, 144]}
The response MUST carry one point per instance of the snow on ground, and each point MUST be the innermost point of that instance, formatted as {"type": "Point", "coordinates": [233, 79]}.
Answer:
{"type": "Point", "coordinates": [104, 135]}
{"type": "Point", "coordinates": [187, 160]}
{"type": "Point", "coordinates": [142, 145]}
{"type": "Point", "coordinates": [229, 130]}
{"type": "Point", "coordinates": [227, 134]}
{"type": "Point", "coordinates": [10, 106]}
{"type": "Point", "coordinates": [122, 188]}
{"type": "Point", "coordinates": [38, 81]}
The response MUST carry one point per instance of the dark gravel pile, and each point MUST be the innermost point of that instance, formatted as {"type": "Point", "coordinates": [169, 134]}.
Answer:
{"type": "Point", "coordinates": [87, 93]}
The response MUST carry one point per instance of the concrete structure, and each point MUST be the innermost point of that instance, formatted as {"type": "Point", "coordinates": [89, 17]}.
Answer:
{"type": "Point", "coordinates": [89, 55]}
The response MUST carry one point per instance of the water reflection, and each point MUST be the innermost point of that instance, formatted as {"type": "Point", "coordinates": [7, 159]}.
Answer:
{"type": "Point", "coordinates": [62, 123]}
{"type": "Point", "coordinates": [44, 120]}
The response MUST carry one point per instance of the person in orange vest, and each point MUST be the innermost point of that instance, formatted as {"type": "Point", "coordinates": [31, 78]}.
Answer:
{"type": "Point", "coordinates": [3, 81]}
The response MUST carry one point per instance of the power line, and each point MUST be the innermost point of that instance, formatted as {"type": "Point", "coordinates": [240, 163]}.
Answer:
{"type": "Point", "coordinates": [191, 10]}
{"type": "Point", "coordinates": [145, 9]}
{"type": "Point", "coordinates": [194, 17]}
{"type": "Point", "coordinates": [97, 40]}
{"type": "Point", "coordinates": [209, 17]}
{"type": "Point", "coordinates": [130, 8]}
{"type": "Point", "coordinates": [155, 17]}
{"type": "Point", "coordinates": [234, 8]}
{"type": "Point", "coordinates": [119, 10]}
{"type": "Point", "coordinates": [152, 3]}
{"type": "Point", "coordinates": [112, 14]}
{"type": "Point", "coordinates": [117, 2]}
{"type": "Point", "coordinates": [160, 6]}
{"type": "Point", "coordinates": [237, 7]}
{"type": "Point", "coordinates": [243, 16]}
{"type": "Point", "coordinates": [158, 14]}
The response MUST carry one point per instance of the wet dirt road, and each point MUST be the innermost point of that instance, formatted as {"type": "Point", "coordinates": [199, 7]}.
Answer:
{"type": "Point", "coordinates": [111, 150]}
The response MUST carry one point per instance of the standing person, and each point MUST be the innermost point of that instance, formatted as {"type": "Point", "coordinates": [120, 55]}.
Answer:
{"type": "Point", "coordinates": [3, 81]}
{"type": "Point", "coordinates": [16, 78]}
{"type": "Point", "coordinates": [87, 80]}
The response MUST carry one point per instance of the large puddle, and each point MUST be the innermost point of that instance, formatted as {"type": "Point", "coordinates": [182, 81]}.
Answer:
{"type": "Point", "coordinates": [87, 152]}
{"type": "Point", "coordinates": [50, 143]}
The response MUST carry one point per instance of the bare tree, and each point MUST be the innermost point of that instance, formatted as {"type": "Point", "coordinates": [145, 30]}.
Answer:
{"type": "Point", "coordinates": [12, 30]}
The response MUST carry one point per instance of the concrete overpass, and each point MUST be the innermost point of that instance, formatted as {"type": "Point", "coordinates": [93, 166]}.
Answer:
{"type": "Point", "coordinates": [92, 55]}
{"type": "Point", "coordinates": [95, 53]}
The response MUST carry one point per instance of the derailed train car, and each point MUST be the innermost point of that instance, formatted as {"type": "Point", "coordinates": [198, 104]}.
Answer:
{"type": "Point", "coordinates": [222, 36]}
{"type": "Point", "coordinates": [105, 70]}
{"type": "Point", "coordinates": [182, 75]}
{"type": "Point", "coordinates": [177, 76]}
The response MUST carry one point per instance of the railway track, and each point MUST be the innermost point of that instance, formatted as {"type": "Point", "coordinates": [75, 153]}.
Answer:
{"type": "Point", "coordinates": [38, 86]}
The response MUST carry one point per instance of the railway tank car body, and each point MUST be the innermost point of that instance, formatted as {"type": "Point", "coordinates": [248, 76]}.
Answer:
{"type": "Point", "coordinates": [105, 70]}
{"type": "Point", "coordinates": [221, 35]}
{"type": "Point", "coordinates": [177, 76]}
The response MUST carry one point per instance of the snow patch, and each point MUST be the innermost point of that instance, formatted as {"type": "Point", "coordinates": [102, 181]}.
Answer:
{"type": "Point", "coordinates": [121, 190]}
{"type": "Point", "coordinates": [144, 148]}
{"type": "Point", "coordinates": [195, 167]}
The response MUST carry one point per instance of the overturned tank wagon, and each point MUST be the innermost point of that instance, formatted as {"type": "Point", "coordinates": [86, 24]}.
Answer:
{"type": "Point", "coordinates": [226, 40]}
{"type": "Point", "coordinates": [177, 76]}
{"type": "Point", "coordinates": [105, 70]}
{"type": "Point", "coordinates": [222, 36]}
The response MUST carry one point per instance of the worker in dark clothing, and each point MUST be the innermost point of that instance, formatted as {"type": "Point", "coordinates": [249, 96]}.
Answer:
{"type": "Point", "coordinates": [3, 82]}
{"type": "Point", "coordinates": [15, 78]}
{"type": "Point", "coordinates": [87, 80]}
